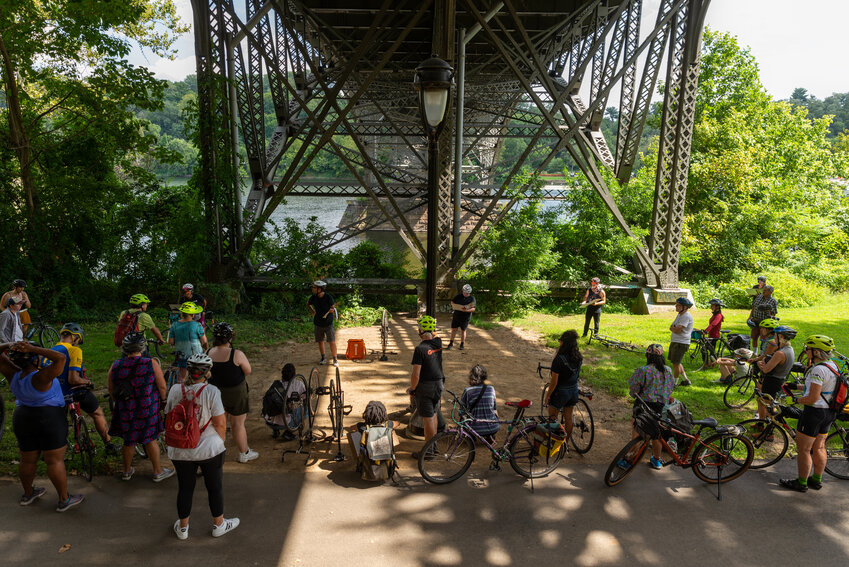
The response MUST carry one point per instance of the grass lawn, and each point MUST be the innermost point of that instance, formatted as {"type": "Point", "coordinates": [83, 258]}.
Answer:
{"type": "Point", "coordinates": [610, 368]}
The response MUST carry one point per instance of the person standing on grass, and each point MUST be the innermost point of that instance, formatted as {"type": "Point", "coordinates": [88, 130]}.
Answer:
{"type": "Point", "coordinates": [764, 306]}
{"type": "Point", "coordinates": [679, 343]}
{"type": "Point", "coordinates": [426, 377]}
{"type": "Point", "coordinates": [10, 322]}
{"type": "Point", "coordinates": [323, 308]}
{"type": "Point", "coordinates": [816, 420]}
{"type": "Point", "coordinates": [463, 305]}
{"type": "Point", "coordinates": [17, 291]}
{"type": "Point", "coordinates": [594, 298]}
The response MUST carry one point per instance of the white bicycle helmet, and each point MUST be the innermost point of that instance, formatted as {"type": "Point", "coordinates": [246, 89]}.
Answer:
{"type": "Point", "coordinates": [467, 288]}
{"type": "Point", "coordinates": [201, 361]}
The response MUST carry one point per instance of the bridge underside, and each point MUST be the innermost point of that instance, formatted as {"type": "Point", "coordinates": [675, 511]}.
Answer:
{"type": "Point", "coordinates": [339, 76]}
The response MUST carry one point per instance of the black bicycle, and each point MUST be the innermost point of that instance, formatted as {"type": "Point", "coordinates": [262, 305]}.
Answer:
{"type": "Point", "coordinates": [46, 335]}
{"type": "Point", "coordinates": [610, 342]}
{"type": "Point", "coordinates": [583, 428]}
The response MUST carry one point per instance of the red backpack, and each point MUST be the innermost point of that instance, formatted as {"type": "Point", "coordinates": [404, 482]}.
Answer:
{"type": "Point", "coordinates": [129, 323]}
{"type": "Point", "coordinates": [182, 430]}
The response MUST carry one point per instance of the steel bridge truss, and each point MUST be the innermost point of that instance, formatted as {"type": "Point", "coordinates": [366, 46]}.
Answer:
{"type": "Point", "coordinates": [338, 76]}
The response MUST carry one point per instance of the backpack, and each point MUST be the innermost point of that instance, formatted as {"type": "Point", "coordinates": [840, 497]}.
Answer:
{"type": "Point", "coordinates": [678, 414]}
{"type": "Point", "coordinates": [840, 396]}
{"type": "Point", "coordinates": [736, 340]}
{"type": "Point", "coordinates": [129, 323]}
{"type": "Point", "coordinates": [182, 430]}
{"type": "Point", "coordinates": [273, 399]}
{"type": "Point", "coordinates": [376, 456]}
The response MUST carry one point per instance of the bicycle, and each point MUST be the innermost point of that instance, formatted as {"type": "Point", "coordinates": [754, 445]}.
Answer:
{"type": "Point", "coordinates": [82, 444]}
{"type": "Point", "coordinates": [384, 335]}
{"type": "Point", "coordinates": [723, 456]}
{"type": "Point", "coordinates": [741, 390]}
{"type": "Point", "coordinates": [447, 456]}
{"type": "Point", "coordinates": [837, 449]}
{"type": "Point", "coordinates": [771, 436]}
{"type": "Point", "coordinates": [610, 342]}
{"type": "Point", "coordinates": [583, 427]}
{"type": "Point", "coordinates": [47, 335]}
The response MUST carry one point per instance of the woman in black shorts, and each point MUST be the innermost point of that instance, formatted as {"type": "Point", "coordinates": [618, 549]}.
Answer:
{"type": "Point", "coordinates": [230, 369]}
{"type": "Point", "coordinates": [39, 420]}
{"type": "Point", "coordinates": [562, 394]}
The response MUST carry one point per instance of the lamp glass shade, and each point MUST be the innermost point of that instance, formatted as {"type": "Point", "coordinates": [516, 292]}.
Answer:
{"type": "Point", "coordinates": [435, 102]}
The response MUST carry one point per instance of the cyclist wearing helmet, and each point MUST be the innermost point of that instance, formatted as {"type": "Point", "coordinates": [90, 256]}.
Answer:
{"type": "Point", "coordinates": [144, 322]}
{"type": "Point", "coordinates": [714, 326]}
{"type": "Point", "coordinates": [208, 456]}
{"type": "Point", "coordinates": [323, 308]}
{"type": "Point", "coordinates": [426, 378]}
{"type": "Point", "coordinates": [10, 322]}
{"type": "Point", "coordinates": [463, 305]}
{"type": "Point", "coordinates": [654, 383]}
{"type": "Point", "coordinates": [764, 306]}
{"type": "Point", "coordinates": [75, 385]}
{"type": "Point", "coordinates": [17, 291]}
{"type": "Point", "coordinates": [729, 368]}
{"type": "Point", "coordinates": [776, 367]}
{"type": "Point", "coordinates": [594, 298]}
{"type": "Point", "coordinates": [816, 420]}
{"type": "Point", "coordinates": [230, 369]}
{"type": "Point", "coordinates": [187, 336]}
{"type": "Point", "coordinates": [188, 294]}
{"type": "Point", "coordinates": [137, 386]}
{"type": "Point", "coordinates": [681, 330]}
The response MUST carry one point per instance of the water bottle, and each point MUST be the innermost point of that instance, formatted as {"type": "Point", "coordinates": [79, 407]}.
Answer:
{"type": "Point", "coordinates": [672, 445]}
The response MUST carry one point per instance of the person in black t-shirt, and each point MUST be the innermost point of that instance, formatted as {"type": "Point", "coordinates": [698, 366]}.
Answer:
{"type": "Point", "coordinates": [464, 305]}
{"type": "Point", "coordinates": [323, 308]}
{"type": "Point", "coordinates": [426, 378]}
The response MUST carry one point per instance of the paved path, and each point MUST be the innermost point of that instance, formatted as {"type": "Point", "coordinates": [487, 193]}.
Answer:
{"type": "Point", "coordinates": [329, 517]}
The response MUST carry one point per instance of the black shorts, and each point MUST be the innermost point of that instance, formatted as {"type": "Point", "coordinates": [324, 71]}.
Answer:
{"type": "Point", "coordinates": [460, 320]}
{"type": "Point", "coordinates": [563, 398]}
{"type": "Point", "coordinates": [428, 395]}
{"type": "Point", "coordinates": [40, 429]}
{"type": "Point", "coordinates": [87, 400]}
{"type": "Point", "coordinates": [324, 334]}
{"type": "Point", "coordinates": [771, 385]}
{"type": "Point", "coordinates": [815, 421]}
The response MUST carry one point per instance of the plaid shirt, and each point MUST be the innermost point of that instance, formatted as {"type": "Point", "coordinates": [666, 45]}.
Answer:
{"type": "Point", "coordinates": [484, 412]}
{"type": "Point", "coordinates": [763, 307]}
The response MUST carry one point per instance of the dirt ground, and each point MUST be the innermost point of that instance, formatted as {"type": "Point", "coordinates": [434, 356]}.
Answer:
{"type": "Point", "coordinates": [510, 355]}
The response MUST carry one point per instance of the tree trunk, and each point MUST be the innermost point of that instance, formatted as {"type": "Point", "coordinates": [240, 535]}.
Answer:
{"type": "Point", "coordinates": [18, 131]}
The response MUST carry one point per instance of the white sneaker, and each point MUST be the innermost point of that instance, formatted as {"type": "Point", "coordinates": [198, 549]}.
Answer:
{"type": "Point", "coordinates": [181, 533]}
{"type": "Point", "coordinates": [250, 455]}
{"type": "Point", "coordinates": [228, 525]}
{"type": "Point", "coordinates": [335, 362]}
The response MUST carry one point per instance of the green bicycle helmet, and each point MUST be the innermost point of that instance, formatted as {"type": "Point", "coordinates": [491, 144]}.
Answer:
{"type": "Point", "coordinates": [821, 342]}
{"type": "Point", "coordinates": [139, 298]}
{"type": "Point", "coordinates": [73, 329]}
{"type": "Point", "coordinates": [427, 324]}
{"type": "Point", "coordinates": [190, 308]}
{"type": "Point", "coordinates": [768, 324]}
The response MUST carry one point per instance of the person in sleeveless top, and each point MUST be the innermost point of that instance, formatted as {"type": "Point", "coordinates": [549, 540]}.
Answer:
{"type": "Point", "coordinates": [562, 394]}
{"type": "Point", "coordinates": [230, 369]}
{"type": "Point", "coordinates": [594, 298]}
{"type": "Point", "coordinates": [776, 367]}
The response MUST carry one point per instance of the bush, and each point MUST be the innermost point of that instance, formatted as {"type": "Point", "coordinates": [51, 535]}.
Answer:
{"type": "Point", "coordinates": [352, 312]}
{"type": "Point", "coordinates": [790, 290]}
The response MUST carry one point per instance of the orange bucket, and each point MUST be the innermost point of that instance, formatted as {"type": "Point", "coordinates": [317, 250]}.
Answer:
{"type": "Point", "coordinates": [356, 349]}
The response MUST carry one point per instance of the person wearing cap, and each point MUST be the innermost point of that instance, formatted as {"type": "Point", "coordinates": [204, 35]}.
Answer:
{"type": "Point", "coordinates": [679, 343]}
{"type": "Point", "coordinates": [426, 377]}
{"type": "Point", "coordinates": [17, 291]}
{"type": "Point", "coordinates": [187, 336]}
{"type": "Point", "coordinates": [10, 322]}
{"type": "Point", "coordinates": [188, 294]}
{"type": "Point", "coordinates": [654, 383]}
{"type": "Point", "coordinates": [816, 420]}
{"type": "Point", "coordinates": [594, 298]}
{"type": "Point", "coordinates": [323, 308]}
{"type": "Point", "coordinates": [463, 305]}
{"type": "Point", "coordinates": [776, 367]}
{"type": "Point", "coordinates": [764, 306]}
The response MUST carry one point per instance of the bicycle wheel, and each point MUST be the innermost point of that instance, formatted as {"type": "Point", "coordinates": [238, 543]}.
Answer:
{"type": "Point", "coordinates": [384, 330]}
{"type": "Point", "coordinates": [85, 446]}
{"type": "Point", "coordinates": [47, 336]}
{"type": "Point", "coordinates": [722, 458]}
{"type": "Point", "coordinates": [625, 461]}
{"type": "Point", "coordinates": [2, 417]}
{"type": "Point", "coordinates": [172, 376]}
{"type": "Point", "coordinates": [340, 407]}
{"type": "Point", "coordinates": [769, 441]}
{"type": "Point", "coordinates": [526, 459]}
{"type": "Point", "coordinates": [837, 448]}
{"type": "Point", "coordinates": [583, 429]}
{"type": "Point", "coordinates": [446, 457]}
{"type": "Point", "coordinates": [739, 392]}
{"type": "Point", "coordinates": [313, 383]}
{"type": "Point", "coordinates": [296, 401]}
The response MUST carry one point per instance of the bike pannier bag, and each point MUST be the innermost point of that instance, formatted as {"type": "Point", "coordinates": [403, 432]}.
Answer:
{"type": "Point", "coordinates": [549, 438]}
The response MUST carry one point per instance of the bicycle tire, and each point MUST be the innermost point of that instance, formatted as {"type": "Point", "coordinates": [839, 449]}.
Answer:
{"type": "Point", "coordinates": [630, 454]}
{"type": "Point", "coordinates": [583, 428]}
{"type": "Point", "coordinates": [837, 448]}
{"type": "Point", "coordinates": [2, 417]}
{"type": "Point", "coordinates": [767, 452]}
{"type": "Point", "coordinates": [172, 377]}
{"type": "Point", "coordinates": [340, 407]}
{"type": "Point", "coordinates": [313, 383]}
{"type": "Point", "coordinates": [48, 336]}
{"type": "Point", "coordinates": [85, 446]}
{"type": "Point", "coordinates": [384, 330]}
{"type": "Point", "coordinates": [446, 456]}
{"type": "Point", "coordinates": [526, 459]}
{"type": "Point", "coordinates": [734, 453]}
{"type": "Point", "coordinates": [739, 392]}
{"type": "Point", "coordinates": [155, 345]}
{"type": "Point", "coordinates": [330, 409]}
{"type": "Point", "coordinates": [297, 389]}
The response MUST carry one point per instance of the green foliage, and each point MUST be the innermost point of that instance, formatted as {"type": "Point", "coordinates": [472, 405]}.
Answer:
{"type": "Point", "coordinates": [352, 312]}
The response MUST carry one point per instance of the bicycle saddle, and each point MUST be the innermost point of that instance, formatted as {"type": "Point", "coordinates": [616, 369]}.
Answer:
{"type": "Point", "coordinates": [798, 367]}
{"type": "Point", "coordinates": [706, 422]}
{"type": "Point", "coordinates": [522, 404]}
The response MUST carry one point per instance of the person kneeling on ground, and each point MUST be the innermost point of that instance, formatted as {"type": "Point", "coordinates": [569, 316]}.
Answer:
{"type": "Point", "coordinates": [654, 383]}
{"type": "Point", "coordinates": [479, 399]}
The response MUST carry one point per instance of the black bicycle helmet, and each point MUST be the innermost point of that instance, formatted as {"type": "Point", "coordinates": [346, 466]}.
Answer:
{"type": "Point", "coordinates": [73, 329]}
{"type": "Point", "coordinates": [19, 283]}
{"type": "Point", "coordinates": [716, 301]}
{"type": "Point", "coordinates": [787, 332]}
{"type": "Point", "coordinates": [684, 301]}
{"type": "Point", "coordinates": [223, 331]}
{"type": "Point", "coordinates": [134, 342]}
{"type": "Point", "coordinates": [21, 359]}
